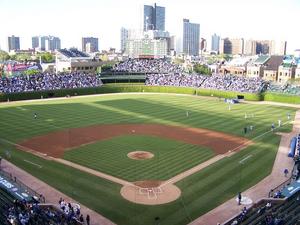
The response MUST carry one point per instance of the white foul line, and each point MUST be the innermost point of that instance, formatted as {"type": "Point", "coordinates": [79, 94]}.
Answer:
{"type": "Point", "coordinates": [244, 159]}
{"type": "Point", "coordinates": [33, 163]}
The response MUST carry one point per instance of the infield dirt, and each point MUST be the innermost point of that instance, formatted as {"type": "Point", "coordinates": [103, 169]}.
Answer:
{"type": "Point", "coordinates": [56, 143]}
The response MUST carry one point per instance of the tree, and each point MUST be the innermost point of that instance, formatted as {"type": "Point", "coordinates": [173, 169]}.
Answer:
{"type": "Point", "coordinates": [4, 55]}
{"type": "Point", "coordinates": [31, 72]}
{"type": "Point", "coordinates": [46, 57]}
{"type": "Point", "coordinates": [22, 57]}
{"type": "Point", "coordinates": [202, 69]}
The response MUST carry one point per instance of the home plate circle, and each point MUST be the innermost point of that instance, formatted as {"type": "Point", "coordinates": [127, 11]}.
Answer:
{"type": "Point", "coordinates": [245, 201]}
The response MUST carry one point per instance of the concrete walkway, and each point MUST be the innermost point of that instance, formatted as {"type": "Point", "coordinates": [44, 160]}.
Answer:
{"type": "Point", "coordinates": [52, 195]}
{"type": "Point", "coordinates": [230, 208]}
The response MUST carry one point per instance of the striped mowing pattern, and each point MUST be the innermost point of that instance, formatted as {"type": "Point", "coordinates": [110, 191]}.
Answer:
{"type": "Point", "coordinates": [110, 156]}
{"type": "Point", "coordinates": [200, 192]}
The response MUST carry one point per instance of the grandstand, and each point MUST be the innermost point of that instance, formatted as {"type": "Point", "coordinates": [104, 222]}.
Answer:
{"type": "Point", "coordinates": [19, 205]}
{"type": "Point", "coordinates": [281, 206]}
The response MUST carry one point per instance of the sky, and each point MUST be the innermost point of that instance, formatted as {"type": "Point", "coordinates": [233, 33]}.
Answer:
{"type": "Point", "coordinates": [73, 19]}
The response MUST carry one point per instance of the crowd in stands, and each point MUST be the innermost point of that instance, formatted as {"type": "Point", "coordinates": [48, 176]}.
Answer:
{"type": "Point", "coordinates": [48, 81]}
{"type": "Point", "coordinates": [147, 66]}
{"type": "Point", "coordinates": [285, 88]}
{"type": "Point", "coordinates": [73, 211]}
{"type": "Point", "coordinates": [219, 82]}
{"type": "Point", "coordinates": [32, 213]}
{"type": "Point", "coordinates": [24, 213]}
{"type": "Point", "coordinates": [159, 72]}
{"type": "Point", "coordinates": [276, 210]}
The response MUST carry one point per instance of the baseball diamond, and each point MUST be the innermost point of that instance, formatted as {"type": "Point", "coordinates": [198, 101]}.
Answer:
{"type": "Point", "coordinates": [141, 154]}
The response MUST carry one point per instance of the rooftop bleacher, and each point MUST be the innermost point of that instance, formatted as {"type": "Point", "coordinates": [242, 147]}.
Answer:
{"type": "Point", "coordinates": [72, 53]}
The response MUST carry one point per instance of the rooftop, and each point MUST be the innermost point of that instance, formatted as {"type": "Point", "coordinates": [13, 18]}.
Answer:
{"type": "Point", "coordinates": [274, 62]}
{"type": "Point", "coordinates": [72, 53]}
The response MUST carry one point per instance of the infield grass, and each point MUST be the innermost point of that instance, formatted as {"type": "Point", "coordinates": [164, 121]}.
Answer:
{"type": "Point", "coordinates": [110, 156]}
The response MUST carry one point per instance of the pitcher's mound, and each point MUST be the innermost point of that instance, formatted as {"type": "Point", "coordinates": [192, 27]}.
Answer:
{"type": "Point", "coordinates": [140, 155]}
{"type": "Point", "coordinates": [150, 192]}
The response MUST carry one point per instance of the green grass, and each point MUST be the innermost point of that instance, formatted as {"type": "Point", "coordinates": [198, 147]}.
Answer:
{"type": "Point", "coordinates": [200, 192]}
{"type": "Point", "coordinates": [110, 156]}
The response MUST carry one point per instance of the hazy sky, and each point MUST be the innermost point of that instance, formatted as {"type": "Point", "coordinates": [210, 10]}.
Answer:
{"type": "Point", "coordinates": [72, 19]}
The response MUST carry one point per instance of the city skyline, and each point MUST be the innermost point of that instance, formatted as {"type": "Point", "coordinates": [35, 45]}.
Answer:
{"type": "Point", "coordinates": [104, 19]}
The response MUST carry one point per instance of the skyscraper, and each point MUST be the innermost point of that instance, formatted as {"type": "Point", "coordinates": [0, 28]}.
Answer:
{"type": "Point", "coordinates": [35, 42]}
{"type": "Point", "coordinates": [46, 43]}
{"type": "Point", "coordinates": [232, 46]}
{"type": "Point", "coordinates": [250, 47]}
{"type": "Point", "coordinates": [191, 35]}
{"type": "Point", "coordinates": [13, 43]}
{"type": "Point", "coordinates": [215, 42]}
{"type": "Point", "coordinates": [92, 43]}
{"type": "Point", "coordinates": [154, 17]}
{"type": "Point", "coordinates": [124, 38]}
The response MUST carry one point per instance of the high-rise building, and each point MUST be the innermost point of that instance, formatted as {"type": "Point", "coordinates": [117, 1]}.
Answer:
{"type": "Point", "coordinates": [279, 47]}
{"type": "Point", "coordinates": [35, 42]}
{"type": "Point", "coordinates": [232, 46]}
{"type": "Point", "coordinates": [13, 43]}
{"type": "Point", "coordinates": [92, 43]}
{"type": "Point", "coordinates": [191, 36]}
{"type": "Point", "coordinates": [215, 42]}
{"type": "Point", "coordinates": [250, 47]}
{"type": "Point", "coordinates": [46, 43]}
{"type": "Point", "coordinates": [124, 38]}
{"type": "Point", "coordinates": [154, 17]}
{"type": "Point", "coordinates": [203, 45]}
{"type": "Point", "coordinates": [263, 47]}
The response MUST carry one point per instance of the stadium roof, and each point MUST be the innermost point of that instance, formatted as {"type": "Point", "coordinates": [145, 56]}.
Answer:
{"type": "Point", "coordinates": [73, 53]}
{"type": "Point", "coordinates": [274, 62]}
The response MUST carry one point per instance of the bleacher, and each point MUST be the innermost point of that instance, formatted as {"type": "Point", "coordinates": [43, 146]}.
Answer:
{"type": "Point", "coordinates": [278, 212]}
{"type": "Point", "coordinates": [72, 52]}
{"type": "Point", "coordinates": [278, 209]}
{"type": "Point", "coordinates": [6, 201]}
{"type": "Point", "coordinates": [20, 205]}
{"type": "Point", "coordinates": [291, 89]}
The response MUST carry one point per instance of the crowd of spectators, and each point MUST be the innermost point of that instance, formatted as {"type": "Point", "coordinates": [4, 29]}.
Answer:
{"type": "Point", "coordinates": [147, 66]}
{"type": "Point", "coordinates": [72, 211]}
{"type": "Point", "coordinates": [293, 89]}
{"type": "Point", "coordinates": [24, 213]}
{"type": "Point", "coordinates": [48, 81]}
{"type": "Point", "coordinates": [177, 79]}
{"type": "Point", "coordinates": [219, 82]}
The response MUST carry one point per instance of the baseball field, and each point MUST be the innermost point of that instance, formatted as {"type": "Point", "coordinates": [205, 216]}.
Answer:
{"type": "Point", "coordinates": [134, 157]}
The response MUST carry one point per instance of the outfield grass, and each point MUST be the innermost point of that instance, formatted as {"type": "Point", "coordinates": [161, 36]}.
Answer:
{"type": "Point", "coordinates": [110, 156]}
{"type": "Point", "coordinates": [200, 192]}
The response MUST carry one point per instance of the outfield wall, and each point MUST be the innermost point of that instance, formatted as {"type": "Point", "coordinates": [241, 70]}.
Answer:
{"type": "Point", "coordinates": [119, 88]}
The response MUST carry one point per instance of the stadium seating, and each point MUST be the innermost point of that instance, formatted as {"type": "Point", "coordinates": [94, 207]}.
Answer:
{"type": "Point", "coordinates": [6, 201]}
{"type": "Point", "coordinates": [271, 212]}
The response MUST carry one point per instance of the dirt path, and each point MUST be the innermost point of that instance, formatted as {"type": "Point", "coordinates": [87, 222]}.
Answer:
{"type": "Point", "coordinates": [230, 208]}
{"type": "Point", "coordinates": [54, 144]}
{"type": "Point", "coordinates": [94, 172]}
{"type": "Point", "coordinates": [52, 195]}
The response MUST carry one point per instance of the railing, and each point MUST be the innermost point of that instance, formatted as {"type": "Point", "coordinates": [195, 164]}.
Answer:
{"type": "Point", "coordinates": [19, 183]}
{"type": "Point", "coordinates": [285, 183]}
